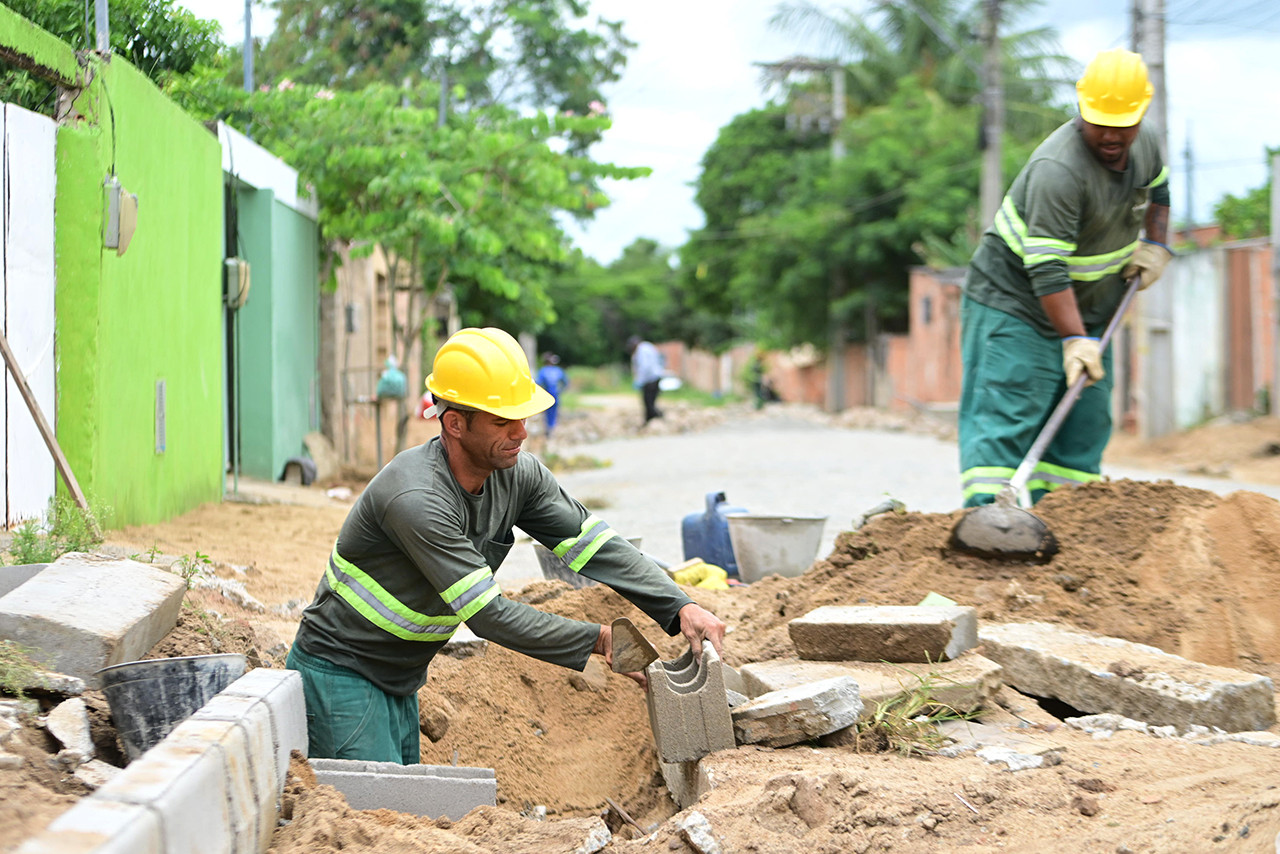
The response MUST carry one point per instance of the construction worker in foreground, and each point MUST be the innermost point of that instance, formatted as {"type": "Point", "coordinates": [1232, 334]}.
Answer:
{"type": "Point", "coordinates": [1048, 276]}
{"type": "Point", "coordinates": [417, 554]}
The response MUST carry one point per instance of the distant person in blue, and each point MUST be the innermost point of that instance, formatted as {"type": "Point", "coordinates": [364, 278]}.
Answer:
{"type": "Point", "coordinates": [646, 373]}
{"type": "Point", "coordinates": [552, 378]}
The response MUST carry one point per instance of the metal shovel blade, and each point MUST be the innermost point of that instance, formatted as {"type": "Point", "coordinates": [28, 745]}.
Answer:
{"type": "Point", "coordinates": [631, 651]}
{"type": "Point", "coordinates": [1004, 531]}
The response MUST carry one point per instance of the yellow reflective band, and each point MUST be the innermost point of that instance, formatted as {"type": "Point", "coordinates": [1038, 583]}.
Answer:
{"type": "Point", "coordinates": [359, 590]}
{"type": "Point", "coordinates": [576, 551]}
{"type": "Point", "coordinates": [1162, 178]}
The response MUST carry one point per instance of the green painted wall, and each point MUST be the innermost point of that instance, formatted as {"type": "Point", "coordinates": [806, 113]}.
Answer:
{"type": "Point", "coordinates": [278, 336]}
{"type": "Point", "coordinates": [125, 322]}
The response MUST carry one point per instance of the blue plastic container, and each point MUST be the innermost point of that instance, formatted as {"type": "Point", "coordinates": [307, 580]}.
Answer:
{"type": "Point", "coordinates": [706, 535]}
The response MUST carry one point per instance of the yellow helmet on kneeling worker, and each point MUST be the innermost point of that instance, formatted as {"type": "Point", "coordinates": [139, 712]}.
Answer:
{"type": "Point", "coordinates": [486, 369]}
{"type": "Point", "coordinates": [1114, 91]}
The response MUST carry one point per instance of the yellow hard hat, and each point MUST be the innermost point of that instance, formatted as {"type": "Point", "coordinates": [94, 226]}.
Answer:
{"type": "Point", "coordinates": [486, 369]}
{"type": "Point", "coordinates": [1114, 91]}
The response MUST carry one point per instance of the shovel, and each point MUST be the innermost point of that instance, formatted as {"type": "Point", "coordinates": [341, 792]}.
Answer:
{"type": "Point", "coordinates": [1005, 530]}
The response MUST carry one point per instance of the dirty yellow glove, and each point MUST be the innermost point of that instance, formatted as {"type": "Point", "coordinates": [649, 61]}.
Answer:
{"type": "Point", "coordinates": [701, 574]}
{"type": "Point", "coordinates": [1149, 259]}
{"type": "Point", "coordinates": [1082, 354]}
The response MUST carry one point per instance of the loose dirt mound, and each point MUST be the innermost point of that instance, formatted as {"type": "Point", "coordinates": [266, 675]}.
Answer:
{"type": "Point", "coordinates": [1178, 568]}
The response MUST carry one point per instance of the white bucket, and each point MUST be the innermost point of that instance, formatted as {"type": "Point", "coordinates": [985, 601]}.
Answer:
{"type": "Point", "coordinates": [774, 545]}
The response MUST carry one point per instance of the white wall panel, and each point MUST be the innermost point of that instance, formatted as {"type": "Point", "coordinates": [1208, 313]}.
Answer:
{"type": "Point", "coordinates": [28, 193]}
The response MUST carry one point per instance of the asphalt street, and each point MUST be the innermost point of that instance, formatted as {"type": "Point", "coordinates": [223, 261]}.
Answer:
{"type": "Point", "coordinates": [776, 465]}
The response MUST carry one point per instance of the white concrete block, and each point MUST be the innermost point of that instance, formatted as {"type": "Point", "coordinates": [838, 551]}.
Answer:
{"type": "Point", "coordinates": [426, 790]}
{"type": "Point", "coordinates": [227, 740]}
{"type": "Point", "coordinates": [100, 827]}
{"type": "Point", "coordinates": [185, 784]}
{"type": "Point", "coordinates": [281, 690]}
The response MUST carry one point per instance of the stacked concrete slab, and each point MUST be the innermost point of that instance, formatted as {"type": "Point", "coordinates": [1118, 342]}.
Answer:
{"type": "Point", "coordinates": [82, 613]}
{"type": "Point", "coordinates": [427, 790]}
{"type": "Point", "coordinates": [212, 786]}
{"type": "Point", "coordinates": [923, 633]}
{"type": "Point", "coordinates": [1100, 675]}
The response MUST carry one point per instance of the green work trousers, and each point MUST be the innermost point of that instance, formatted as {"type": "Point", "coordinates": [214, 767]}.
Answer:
{"type": "Point", "coordinates": [1013, 379]}
{"type": "Point", "coordinates": [348, 717]}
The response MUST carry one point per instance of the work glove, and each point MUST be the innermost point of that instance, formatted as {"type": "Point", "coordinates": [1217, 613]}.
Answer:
{"type": "Point", "coordinates": [1149, 259]}
{"type": "Point", "coordinates": [1082, 354]}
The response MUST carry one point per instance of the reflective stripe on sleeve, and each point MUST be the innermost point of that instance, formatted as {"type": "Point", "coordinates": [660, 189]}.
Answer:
{"type": "Point", "coordinates": [372, 601]}
{"type": "Point", "coordinates": [576, 551]}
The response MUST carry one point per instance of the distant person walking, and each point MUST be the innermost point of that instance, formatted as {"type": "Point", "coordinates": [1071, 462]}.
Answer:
{"type": "Point", "coordinates": [552, 378]}
{"type": "Point", "coordinates": [646, 374]}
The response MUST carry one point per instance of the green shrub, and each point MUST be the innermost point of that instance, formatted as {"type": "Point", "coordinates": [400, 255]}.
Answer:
{"type": "Point", "coordinates": [66, 528]}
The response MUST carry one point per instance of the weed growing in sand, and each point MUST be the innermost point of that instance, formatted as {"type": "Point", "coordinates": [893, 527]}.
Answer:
{"type": "Point", "coordinates": [66, 528]}
{"type": "Point", "coordinates": [193, 568]}
{"type": "Point", "coordinates": [17, 671]}
{"type": "Point", "coordinates": [907, 723]}
{"type": "Point", "coordinates": [579, 462]}
{"type": "Point", "coordinates": [149, 553]}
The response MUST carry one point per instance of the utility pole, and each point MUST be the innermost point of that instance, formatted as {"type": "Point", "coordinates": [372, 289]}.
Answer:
{"type": "Point", "coordinates": [992, 188]}
{"type": "Point", "coordinates": [1153, 324]}
{"type": "Point", "coordinates": [1275, 280]}
{"type": "Point", "coordinates": [248, 45]}
{"type": "Point", "coordinates": [100, 19]}
{"type": "Point", "coordinates": [1189, 169]}
{"type": "Point", "coordinates": [1148, 40]}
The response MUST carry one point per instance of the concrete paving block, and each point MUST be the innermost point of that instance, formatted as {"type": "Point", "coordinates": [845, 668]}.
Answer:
{"type": "Point", "coordinates": [252, 801]}
{"type": "Point", "coordinates": [1097, 675]}
{"type": "Point", "coordinates": [797, 714]}
{"type": "Point", "coordinates": [901, 633]}
{"type": "Point", "coordinates": [426, 790]}
{"type": "Point", "coordinates": [688, 706]}
{"type": "Point", "coordinates": [965, 684]}
{"type": "Point", "coordinates": [13, 577]}
{"type": "Point", "coordinates": [83, 613]}
{"type": "Point", "coordinates": [186, 786]}
{"type": "Point", "coordinates": [281, 690]}
{"type": "Point", "coordinates": [100, 827]}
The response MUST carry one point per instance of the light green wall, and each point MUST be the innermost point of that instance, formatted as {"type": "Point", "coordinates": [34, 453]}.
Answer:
{"type": "Point", "coordinates": [278, 335]}
{"type": "Point", "coordinates": [154, 313]}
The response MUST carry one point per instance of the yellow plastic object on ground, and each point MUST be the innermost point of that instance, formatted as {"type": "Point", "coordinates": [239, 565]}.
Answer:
{"type": "Point", "coordinates": [699, 573]}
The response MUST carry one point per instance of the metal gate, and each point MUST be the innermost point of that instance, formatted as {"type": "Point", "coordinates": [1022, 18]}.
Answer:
{"type": "Point", "coordinates": [27, 181]}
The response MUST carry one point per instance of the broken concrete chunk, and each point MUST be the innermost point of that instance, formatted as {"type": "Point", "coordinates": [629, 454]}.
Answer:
{"type": "Point", "coordinates": [696, 830]}
{"type": "Point", "coordinates": [84, 613]}
{"type": "Point", "coordinates": [965, 684]}
{"type": "Point", "coordinates": [797, 714]}
{"type": "Point", "coordinates": [95, 773]}
{"type": "Point", "coordinates": [69, 724]}
{"type": "Point", "coordinates": [920, 633]}
{"type": "Point", "coordinates": [1097, 674]}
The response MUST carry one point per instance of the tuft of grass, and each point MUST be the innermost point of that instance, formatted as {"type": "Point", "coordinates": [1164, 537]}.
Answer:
{"type": "Point", "coordinates": [17, 671]}
{"type": "Point", "coordinates": [65, 528]}
{"type": "Point", "coordinates": [565, 463]}
{"type": "Point", "coordinates": [907, 723]}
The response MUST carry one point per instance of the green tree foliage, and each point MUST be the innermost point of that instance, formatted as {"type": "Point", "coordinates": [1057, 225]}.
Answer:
{"type": "Point", "coordinates": [471, 202]}
{"type": "Point", "coordinates": [598, 307]}
{"type": "Point", "coordinates": [155, 36]}
{"type": "Point", "coordinates": [797, 245]}
{"type": "Point", "coordinates": [530, 52]}
{"type": "Point", "coordinates": [1249, 215]}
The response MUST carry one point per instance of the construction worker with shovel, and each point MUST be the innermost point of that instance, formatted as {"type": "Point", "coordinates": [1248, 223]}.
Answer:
{"type": "Point", "coordinates": [1049, 275]}
{"type": "Point", "coordinates": [417, 554]}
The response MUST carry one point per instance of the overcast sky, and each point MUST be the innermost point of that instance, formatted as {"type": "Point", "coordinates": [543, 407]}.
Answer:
{"type": "Point", "coordinates": [692, 71]}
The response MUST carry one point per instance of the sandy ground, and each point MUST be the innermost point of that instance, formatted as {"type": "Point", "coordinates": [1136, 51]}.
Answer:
{"type": "Point", "coordinates": [1186, 570]}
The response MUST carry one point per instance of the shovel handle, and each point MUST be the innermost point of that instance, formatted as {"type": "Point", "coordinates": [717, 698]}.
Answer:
{"type": "Point", "coordinates": [1017, 488]}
